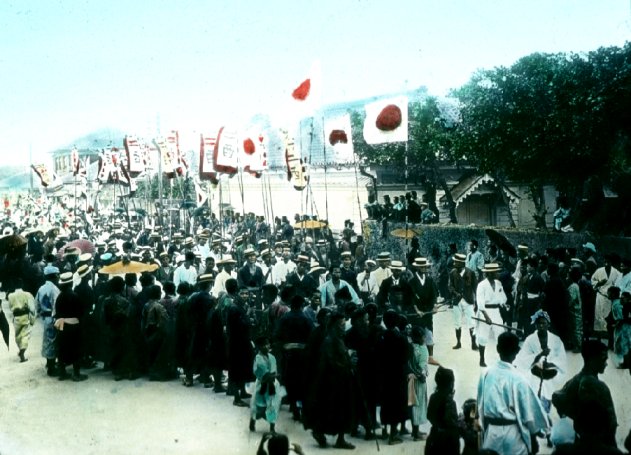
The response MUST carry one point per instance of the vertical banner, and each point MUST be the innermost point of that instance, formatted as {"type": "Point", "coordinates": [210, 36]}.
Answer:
{"type": "Point", "coordinates": [134, 152]}
{"type": "Point", "coordinates": [226, 151]}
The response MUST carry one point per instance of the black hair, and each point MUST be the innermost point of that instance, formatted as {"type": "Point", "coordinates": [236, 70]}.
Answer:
{"type": "Point", "coordinates": [168, 287]}
{"type": "Point", "coordinates": [116, 285]}
{"type": "Point", "coordinates": [154, 292]}
{"type": "Point", "coordinates": [232, 286]}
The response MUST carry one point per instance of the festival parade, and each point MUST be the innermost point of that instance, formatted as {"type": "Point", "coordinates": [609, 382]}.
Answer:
{"type": "Point", "coordinates": [335, 264]}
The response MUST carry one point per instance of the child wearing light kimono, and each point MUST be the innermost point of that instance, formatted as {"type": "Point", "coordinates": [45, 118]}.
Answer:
{"type": "Point", "coordinates": [267, 396]}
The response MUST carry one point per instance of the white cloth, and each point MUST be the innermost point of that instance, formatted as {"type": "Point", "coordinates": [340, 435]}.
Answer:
{"type": "Point", "coordinates": [504, 393]}
{"type": "Point", "coordinates": [182, 274]}
{"type": "Point", "coordinates": [485, 296]}
{"type": "Point", "coordinates": [463, 310]}
{"type": "Point", "coordinates": [624, 283]}
{"type": "Point", "coordinates": [220, 282]}
{"type": "Point", "coordinates": [369, 285]}
{"type": "Point", "coordinates": [526, 359]}
{"type": "Point", "coordinates": [381, 274]}
{"type": "Point", "coordinates": [603, 304]}
{"type": "Point", "coordinates": [281, 270]}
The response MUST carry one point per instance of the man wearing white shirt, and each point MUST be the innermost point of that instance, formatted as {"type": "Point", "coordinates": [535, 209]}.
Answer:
{"type": "Point", "coordinates": [283, 268]}
{"type": "Point", "coordinates": [383, 271]}
{"type": "Point", "coordinates": [186, 272]}
{"type": "Point", "coordinates": [624, 282]}
{"type": "Point", "coordinates": [490, 297]}
{"type": "Point", "coordinates": [226, 273]}
{"type": "Point", "coordinates": [366, 282]}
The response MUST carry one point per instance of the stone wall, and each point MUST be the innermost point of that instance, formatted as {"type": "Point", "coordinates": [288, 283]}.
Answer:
{"type": "Point", "coordinates": [436, 239]}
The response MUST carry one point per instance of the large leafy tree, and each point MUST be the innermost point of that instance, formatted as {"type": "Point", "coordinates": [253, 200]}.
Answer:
{"type": "Point", "coordinates": [549, 118]}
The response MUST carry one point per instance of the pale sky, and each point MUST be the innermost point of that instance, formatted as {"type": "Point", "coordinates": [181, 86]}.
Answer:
{"type": "Point", "coordinates": [70, 67]}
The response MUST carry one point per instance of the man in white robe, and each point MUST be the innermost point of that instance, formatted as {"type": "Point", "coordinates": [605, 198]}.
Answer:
{"type": "Point", "coordinates": [490, 297]}
{"type": "Point", "coordinates": [510, 412]}
{"type": "Point", "coordinates": [602, 279]}
{"type": "Point", "coordinates": [534, 353]}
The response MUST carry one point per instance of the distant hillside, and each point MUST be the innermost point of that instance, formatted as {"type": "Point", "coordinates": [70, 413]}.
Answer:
{"type": "Point", "coordinates": [15, 177]}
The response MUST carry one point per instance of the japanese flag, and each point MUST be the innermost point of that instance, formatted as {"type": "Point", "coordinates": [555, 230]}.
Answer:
{"type": "Point", "coordinates": [386, 121]}
{"type": "Point", "coordinates": [338, 140]}
{"type": "Point", "coordinates": [254, 154]}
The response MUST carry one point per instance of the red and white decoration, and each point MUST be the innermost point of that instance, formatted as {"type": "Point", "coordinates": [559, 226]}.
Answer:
{"type": "Point", "coordinates": [338, 139]}
{"type": "Point", "coordinates": [254, 156]}
{"type": "Point", "coordinates": [386, 121]}
{"type": "Point", "coordinates": [135, 158]}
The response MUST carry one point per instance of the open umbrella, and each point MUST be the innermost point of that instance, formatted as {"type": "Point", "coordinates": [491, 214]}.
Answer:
{"type": "Point", "coordinates": [310, 224]}
{"type": "Point", "coordinates": [502, 242]}
{"type": "Point", "coordinates": [84, 245]}
{"type": "Point", "coordinates": [11, 243]}
{"type": "Point", "coordinates": [125, 266]}
{"type": "Point", "coordinates": [407, 233]}
{"type": "Point", "coordinates": [4, 328]}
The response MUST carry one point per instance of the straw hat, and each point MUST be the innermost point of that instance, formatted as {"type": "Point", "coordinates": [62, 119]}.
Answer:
{"type": "Point", "coordinates": [491, 267]}
{"type": "Point", "coordinates": [65, 278]}
{"type": "Point", "coordinates": [397, 265]}
{"type": "Point", "coordinates": [84, 270]}
{"type": "Point", "coordinates": [421, 263]}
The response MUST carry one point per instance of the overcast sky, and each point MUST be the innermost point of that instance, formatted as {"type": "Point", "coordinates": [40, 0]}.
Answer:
{"type": "Point", "coordinates": [69, 67]}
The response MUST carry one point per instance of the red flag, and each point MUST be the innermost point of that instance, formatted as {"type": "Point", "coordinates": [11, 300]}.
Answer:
{"type": "Point", "coordinates": [301, 92]}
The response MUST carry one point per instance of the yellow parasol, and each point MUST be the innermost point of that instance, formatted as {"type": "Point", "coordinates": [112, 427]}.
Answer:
{"type": "Point", "coordinates": [404, 233]}
{"type": "Point", "coordinates": [122, 267]}
{"type": "Point", "coordinates": [310, 224]}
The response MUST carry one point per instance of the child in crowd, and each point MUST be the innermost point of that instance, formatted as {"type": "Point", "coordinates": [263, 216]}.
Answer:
{"type": "Point", "coordinates": [267, 394]}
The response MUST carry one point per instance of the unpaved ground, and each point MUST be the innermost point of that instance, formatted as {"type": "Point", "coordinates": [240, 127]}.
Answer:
{"type": "Point", "coordinates": [40, 415]}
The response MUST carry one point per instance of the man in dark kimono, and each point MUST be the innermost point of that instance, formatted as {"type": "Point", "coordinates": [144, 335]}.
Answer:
{"type": "Point", "coordinates": [251, 274]}
{"type": "Point", "coordinates": [292, 334]}
{"type": "Point", "coordinates": [240, 350]}
{"type": "Point", "coordinates": [68, 315]}
{"type": "Point", "coordinates": [393, 354]}
{"type": "Point", "coordinates": [424, 296]}
{"type": "Point", "coordinates": [191, 331]}
{"type": "Point", "coordinates": [158, 335]}
{"type": "Point", "coordinates": [302, 283]}
{"type": "Point", "coordinates": [332, 399]}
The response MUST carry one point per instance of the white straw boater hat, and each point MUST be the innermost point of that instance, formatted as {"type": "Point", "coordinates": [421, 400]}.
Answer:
{"type": "Point", "coordinates": [65, 278]}
{"type": "Point", "coordinates": [397, 265]}
{"type": "Point", "coordinates": [421, 262]}
{"type": "Point", "coordinates": [491, 267]}
{"type": "Point", "coordinates": [460, 257]}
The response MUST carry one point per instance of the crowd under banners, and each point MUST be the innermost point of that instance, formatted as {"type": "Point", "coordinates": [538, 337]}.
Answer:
{"type": "Point", "coordinates": [386, 121]}
{"type": "Point", "coordinates": [226, 151]}
{"type": "Point", "coordinates": [135, 159]}
{"type": "Point", "coordinates": [338, 139]}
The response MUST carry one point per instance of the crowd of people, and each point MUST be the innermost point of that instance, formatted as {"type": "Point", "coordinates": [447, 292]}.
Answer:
{"type": "Point", "coordinates": [345, 340]}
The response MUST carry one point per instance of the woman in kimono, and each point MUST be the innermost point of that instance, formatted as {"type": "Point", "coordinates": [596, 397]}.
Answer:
{"type": "Point", "coordinates": [267, 391]}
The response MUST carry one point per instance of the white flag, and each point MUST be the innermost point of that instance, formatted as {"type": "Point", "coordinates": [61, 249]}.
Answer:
{"type": "Point", "coordinates": [386, 121]}
{"type": "Point", "coordinates": [226, 154]}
